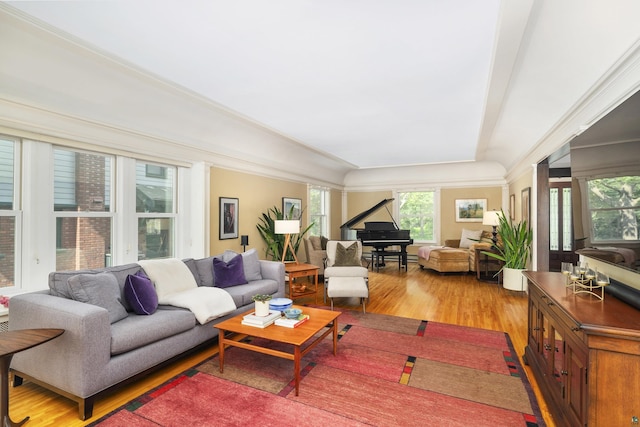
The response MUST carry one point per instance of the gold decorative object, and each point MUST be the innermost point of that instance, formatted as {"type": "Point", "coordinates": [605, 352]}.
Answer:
{"type": "Point", "coordinates": [583, 279]}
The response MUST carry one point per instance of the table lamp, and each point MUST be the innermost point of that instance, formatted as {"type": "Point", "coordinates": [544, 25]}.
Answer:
{"type": "Point", "coordinates": [492, 218]}
{"type": "Point", "coordinates": [287, 227]}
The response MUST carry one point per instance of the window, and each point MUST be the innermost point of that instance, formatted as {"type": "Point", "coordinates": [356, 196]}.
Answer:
{"type": "Point", "coordinates": [319, 211]}
{"type": "Point", "coordinates": [9, 215]}
{"type": "Point", "coordinates": [416, 213]}
{"type": "Point", "coordinates": [614, 208]}
{"type": "Point", "coordinates": [82, 205]}
{"type": "Point", "coordinates": [156, 211]}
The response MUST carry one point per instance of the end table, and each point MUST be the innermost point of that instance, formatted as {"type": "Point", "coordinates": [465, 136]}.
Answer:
{"type": "Point", "coordinates": [294, 270]}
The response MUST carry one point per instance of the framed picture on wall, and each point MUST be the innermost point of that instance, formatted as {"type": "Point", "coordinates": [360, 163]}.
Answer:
{"type": "Point", "coordinates": [512, 207]}
{"type": "Point", "coordinates": [526, 204]}
{"type": "Point", "coordinates": [291, 208]}
{"type": "Point", "coordinates": [470, 210]}
{"type": "Point", "coordinates": [228, 218]}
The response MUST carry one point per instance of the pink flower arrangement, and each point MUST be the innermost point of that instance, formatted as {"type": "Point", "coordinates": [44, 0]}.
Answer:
{"type": "Point", "coordinates": [4, 301]}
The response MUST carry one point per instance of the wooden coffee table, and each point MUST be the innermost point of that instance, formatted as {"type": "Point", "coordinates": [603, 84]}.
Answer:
{"type": "Point", "coordinates": [300, 337]}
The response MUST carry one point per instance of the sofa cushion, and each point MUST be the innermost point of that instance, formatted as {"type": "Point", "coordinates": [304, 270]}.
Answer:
{"type": "Point", "coordinates": [58, 280]}
{"type": "Point", "coordinates": [229, 273]}
{"type": "Point", "coordinates": [469, 237]}
{"type": "Point", "coordinates": [346, 256]}
{"type": "Point", "coordinates": [242, 294]}
{"type": "Point", "coordinates": [250, 263]}
{"type": "Point", "coordinates": [169, 275]}
{"type": "Point", "coordinates": [316, 242]}
{"type": "Point", "coordinates": [98, 289]}
{"type": "Point", "coordinates": [140, 294]}
{"type": "Point", "coordinates": [138, 331]}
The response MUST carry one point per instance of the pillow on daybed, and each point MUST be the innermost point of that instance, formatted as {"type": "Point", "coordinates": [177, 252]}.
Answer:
{"type": "Point", "coordinates": [98, 289]}
{"type": "Point", "coordinates": [140, 294]}
{"type": "Point", "coordinates": [229, 273]}
{"type": "Point", "coordinates": [469, 237]}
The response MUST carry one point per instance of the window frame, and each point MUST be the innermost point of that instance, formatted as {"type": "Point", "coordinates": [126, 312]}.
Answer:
{"type": "Point", "coordinates": [435, 215]}
{"type": "Point", "coordinates": [16, 213]}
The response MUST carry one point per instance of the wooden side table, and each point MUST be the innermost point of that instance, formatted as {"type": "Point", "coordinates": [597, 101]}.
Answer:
{"type": "Point", "coordinates": [486, 266]}
{"type": "Point", "coordinates": [294, 271]}
{"type": "Point", "coordinates": [13, 342]}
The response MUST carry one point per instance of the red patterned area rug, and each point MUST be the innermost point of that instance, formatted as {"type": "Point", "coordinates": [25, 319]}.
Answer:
{"type": "Point", "coordinates": [389, 371]}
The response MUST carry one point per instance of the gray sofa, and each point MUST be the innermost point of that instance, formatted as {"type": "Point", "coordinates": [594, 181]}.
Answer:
{"type": "Point", "coordinates": [95, 353]}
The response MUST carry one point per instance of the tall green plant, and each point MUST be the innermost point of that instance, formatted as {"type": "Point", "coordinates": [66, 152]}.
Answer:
{"type": "Point", "coordinates": [275, 242]}
{"type": "Point", "coordinates": [514, 248]}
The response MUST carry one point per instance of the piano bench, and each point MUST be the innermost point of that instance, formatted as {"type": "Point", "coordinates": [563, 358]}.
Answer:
{"type": "Point", "coordinates": [378, 256]}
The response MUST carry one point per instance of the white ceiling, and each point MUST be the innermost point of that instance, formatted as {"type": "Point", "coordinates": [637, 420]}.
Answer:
{"type": "Point", "coordinates": [372, 82]}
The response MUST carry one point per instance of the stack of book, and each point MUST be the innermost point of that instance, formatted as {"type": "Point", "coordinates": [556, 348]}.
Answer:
{"type": "Point", "coordinates": [292, 323]}
{"type": "Point", "coordinates": [261, 321]}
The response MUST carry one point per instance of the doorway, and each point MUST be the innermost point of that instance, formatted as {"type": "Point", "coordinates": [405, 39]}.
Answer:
{"type": "Point", "coordinates": [561, 242]}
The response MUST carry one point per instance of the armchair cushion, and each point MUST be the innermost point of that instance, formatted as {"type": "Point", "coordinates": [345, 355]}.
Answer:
{"type": "Point", "coordinates": [347, 255]}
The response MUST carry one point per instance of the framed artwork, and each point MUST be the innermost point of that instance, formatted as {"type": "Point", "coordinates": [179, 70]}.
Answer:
{"type": "Point", "coordinates": [291, 208]}
{"type": "Point", "coordinates": [470, 210]}
{"type": "Point", "coordinates": [512, 207]}
{"type": "Point", "coordinates": [526, 204]}
{"type": "Point", "coordinates": [228, 218]}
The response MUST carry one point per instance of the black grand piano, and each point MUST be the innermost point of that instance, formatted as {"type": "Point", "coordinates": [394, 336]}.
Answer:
{"type": "Point", "coordinates": [378, 234]}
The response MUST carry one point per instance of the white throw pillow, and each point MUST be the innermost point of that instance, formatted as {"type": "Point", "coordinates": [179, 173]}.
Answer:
{"type": "Point", "coordinates": [469, 237]}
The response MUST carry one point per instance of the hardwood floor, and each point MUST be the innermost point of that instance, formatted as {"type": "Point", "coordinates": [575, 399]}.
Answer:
{"type": "Point", "coordinates": [421, 294]}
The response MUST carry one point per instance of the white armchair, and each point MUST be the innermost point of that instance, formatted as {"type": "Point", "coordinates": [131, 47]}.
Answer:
{"type": "Point", "coordinates": [344, 275]}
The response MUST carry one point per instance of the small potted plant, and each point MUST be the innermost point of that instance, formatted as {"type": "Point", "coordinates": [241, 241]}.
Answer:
{"type": "Point", "coordinates": [262, 304]}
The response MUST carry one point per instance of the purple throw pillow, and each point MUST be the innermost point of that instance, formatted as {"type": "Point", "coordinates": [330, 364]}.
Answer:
{"type": "Point", "coordinates": [230, 273]}
{"type": "Point", "coordinates": [140, 294]}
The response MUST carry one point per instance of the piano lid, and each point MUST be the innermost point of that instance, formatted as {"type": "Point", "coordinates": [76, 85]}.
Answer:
{"type": "Point", "coordinates": [361, 216]}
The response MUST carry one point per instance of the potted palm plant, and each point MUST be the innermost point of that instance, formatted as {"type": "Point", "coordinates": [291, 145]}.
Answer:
{"type": "Point", "coordinates": [514, 250]}
{"type": "Point", "coordinates": [275, 242]}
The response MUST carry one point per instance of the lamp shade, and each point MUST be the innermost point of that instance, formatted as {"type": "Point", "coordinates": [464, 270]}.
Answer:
{"type": "Point", "coordinates": [287, 226]}
{"type": "Point", "coordinates": [491, 218]}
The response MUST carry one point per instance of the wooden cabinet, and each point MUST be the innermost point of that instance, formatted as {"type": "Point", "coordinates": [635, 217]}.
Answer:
{"type": "Point", "coordinates": [584, 353]}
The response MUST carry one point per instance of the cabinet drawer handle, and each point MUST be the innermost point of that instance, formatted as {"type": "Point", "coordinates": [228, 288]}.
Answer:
{"type": "Point", "coordinates": [564, 372]}
{"type": "Point", "coordinates": [550, 303]}
{"type": "Point", "coordinates": [536, 328]}
{"type": "Point", "coordinates": [575, 328]}
{"type": "Point", "coordinates": [547, 347]}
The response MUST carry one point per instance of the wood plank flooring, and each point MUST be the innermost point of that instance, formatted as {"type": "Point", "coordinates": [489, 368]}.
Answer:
{"type": "Point", "coordinates": [421, 294]}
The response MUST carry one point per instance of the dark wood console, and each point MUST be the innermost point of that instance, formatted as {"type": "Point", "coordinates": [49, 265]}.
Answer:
{"type": "Point", "coordinates": [584, 354]}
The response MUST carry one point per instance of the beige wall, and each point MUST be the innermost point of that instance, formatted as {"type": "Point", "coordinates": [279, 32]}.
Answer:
{"type": "Point", "coordinates": [255, 194]}
{"type": "Point", "coordinates": [335, 208]}
{"type": "Point", "coordinates": [516, 188]}
{"type": "Point", "coordinates": [449, 228]}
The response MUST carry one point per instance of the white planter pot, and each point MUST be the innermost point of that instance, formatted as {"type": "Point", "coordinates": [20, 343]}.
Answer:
{"type": "Point", "coordinates": [513, 280]}
{"type": "Point", "coordinates": [262, 308]}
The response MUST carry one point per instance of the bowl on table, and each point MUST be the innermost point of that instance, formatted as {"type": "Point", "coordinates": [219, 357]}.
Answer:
{"type": "Point", "coordinates": [292, 313]}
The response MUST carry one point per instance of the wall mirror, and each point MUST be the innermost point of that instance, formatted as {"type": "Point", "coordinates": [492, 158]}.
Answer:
{"type": "Point", "coordinates": [605, 175]}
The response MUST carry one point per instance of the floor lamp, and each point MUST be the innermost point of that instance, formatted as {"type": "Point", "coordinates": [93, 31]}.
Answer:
{"type": "Point", "coordinates": [287, 227]}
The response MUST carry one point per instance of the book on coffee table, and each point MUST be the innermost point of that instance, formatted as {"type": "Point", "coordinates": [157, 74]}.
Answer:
{"type": "Point", "coordinates": [292, 323]}
{"type": "Point", "coordinates": [261, 321]}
